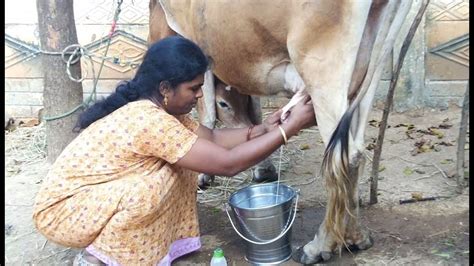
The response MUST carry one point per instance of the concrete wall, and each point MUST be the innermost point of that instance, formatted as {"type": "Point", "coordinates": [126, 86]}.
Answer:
{"type": "Point", "coordinates": [436, 67]}
{"type": "Point", "coordinates": [435, 71]}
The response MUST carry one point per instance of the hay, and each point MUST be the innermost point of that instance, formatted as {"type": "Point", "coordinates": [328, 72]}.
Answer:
{"type": "Point", "coordinates": [23, 147]}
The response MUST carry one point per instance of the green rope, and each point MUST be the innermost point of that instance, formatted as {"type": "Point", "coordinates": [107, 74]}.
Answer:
{"type": "Point", "coordinates": [92, 96]}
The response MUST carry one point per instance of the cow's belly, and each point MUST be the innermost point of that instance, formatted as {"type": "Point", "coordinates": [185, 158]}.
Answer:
{"type": "Point", "coordinates": [262, 78]}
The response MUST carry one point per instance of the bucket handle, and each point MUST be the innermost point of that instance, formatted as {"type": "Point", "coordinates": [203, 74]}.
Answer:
{"type": "Point", "coordinates": [271, 240]}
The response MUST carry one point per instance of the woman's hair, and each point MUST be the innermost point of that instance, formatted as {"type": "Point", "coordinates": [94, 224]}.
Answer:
{"type": "Point", "coordinates": [174, 60]}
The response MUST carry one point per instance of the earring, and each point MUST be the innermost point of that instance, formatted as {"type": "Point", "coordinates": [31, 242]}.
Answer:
{"type": "Point", "coordinates": [166, 100]}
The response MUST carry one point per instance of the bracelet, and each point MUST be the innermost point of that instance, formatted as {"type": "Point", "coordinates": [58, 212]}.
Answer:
{"type": "Point", "coordinates": [249, 131]}
{"type": "Point", "coordinates": [283, 134]}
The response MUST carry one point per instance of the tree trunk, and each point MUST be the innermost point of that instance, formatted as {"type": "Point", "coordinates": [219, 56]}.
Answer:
{"type": "Point", "coordinates": [462, 141]}
{"type": "Point", "coordinates": [57, 30]}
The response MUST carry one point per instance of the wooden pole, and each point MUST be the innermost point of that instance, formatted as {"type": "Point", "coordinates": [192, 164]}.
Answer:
{"type": "Point", "coordinates": [462, 141]}
{"type": "Point", "coordinates": [57, 30]}
{"type": "Point", "coordinates": [388, 103]}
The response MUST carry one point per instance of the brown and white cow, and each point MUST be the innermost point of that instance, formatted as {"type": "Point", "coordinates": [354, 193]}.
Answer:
{"type": "Point", "coordinates": [332, 50]}
{"type": "Point", "coordinates": [221, 102]}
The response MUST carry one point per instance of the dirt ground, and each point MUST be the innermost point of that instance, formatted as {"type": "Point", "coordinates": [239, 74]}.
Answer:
{"type": "Point", "coordinates": [420, 233]}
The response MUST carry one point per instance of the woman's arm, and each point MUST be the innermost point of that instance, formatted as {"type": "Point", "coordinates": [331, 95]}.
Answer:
{"type": "Point", "coordinates": [231, 137]}
{"type": "Point", "coordinates": [210, 158]}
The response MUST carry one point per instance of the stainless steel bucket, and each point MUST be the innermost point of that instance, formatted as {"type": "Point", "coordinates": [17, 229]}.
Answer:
{"type": "Point", "coordinates": [264, 219]}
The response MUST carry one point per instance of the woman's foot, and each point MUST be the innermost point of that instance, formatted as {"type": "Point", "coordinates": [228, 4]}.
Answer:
{"type": "Point", "coordinates": [84, 258]}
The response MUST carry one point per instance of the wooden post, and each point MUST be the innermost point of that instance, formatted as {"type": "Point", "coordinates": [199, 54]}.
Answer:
{"type": "Point", "coordinates": [57, 30]}
{"type": "Point", "coordinates": [388, 103]}
{"type": "Point", "coordinates": [462, 141]}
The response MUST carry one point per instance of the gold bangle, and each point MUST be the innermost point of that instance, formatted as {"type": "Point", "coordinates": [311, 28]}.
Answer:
{"type": "Point", "coordinates": [283, 134]}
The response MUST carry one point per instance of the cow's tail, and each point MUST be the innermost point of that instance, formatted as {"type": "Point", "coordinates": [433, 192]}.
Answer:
{"type": "Point", "coordinates": [335, 166]}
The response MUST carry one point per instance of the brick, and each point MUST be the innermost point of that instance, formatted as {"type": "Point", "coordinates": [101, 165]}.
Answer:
{"type": "Point", "coordinates": [23, 85]}
{"type": "Point", "coordinates": [23, 98]}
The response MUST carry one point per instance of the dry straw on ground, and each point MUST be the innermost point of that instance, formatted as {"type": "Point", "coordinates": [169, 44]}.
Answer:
{"type": "Point", "coordinates": [24, 146]}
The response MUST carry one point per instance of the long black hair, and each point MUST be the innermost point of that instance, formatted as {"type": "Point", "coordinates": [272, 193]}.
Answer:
{"type": "Point", "coordinates": [172, 59]}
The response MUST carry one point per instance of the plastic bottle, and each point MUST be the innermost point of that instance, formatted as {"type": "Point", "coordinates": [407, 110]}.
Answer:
{"type": "Point", "coordinates": [218, 258]}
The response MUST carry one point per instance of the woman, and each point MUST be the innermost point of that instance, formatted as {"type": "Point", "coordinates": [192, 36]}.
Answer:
{"type": "Point", "coordinates": [125, 187]}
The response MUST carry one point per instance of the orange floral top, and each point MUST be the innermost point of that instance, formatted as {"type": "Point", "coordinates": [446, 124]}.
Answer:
{"type": "Point", "coordinates": [115, 186]}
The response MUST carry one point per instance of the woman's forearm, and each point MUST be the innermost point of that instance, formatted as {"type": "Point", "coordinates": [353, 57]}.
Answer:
{"type": "Point", "coordinates": [231, 137]}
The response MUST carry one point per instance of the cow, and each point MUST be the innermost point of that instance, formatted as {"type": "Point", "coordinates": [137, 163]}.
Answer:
{"type": "Point", "coordinates": [333, 51]}
{"type": "Point", "coordinates": [221, 102]}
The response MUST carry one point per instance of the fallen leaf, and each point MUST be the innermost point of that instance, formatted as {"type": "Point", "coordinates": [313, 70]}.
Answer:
{"type": "Point", "coordinates": [408, 171]}
{"type": "Point", "coordinates": [381, 168]}
{"type": "Point", "coordinates": [374, 123]}
{"type": "Point", "coordinates": [304, 147]}
{"type": "Point", "coordinates": [425, 148]}
{"type": "Point", "coordinates": [408, 134]}
{"type": "Point", "coordinates": [444, 143]}
{"type": "Point", "coordinates": [445, 125]}
{"type": "Point", "coordinates": [436, 132]}
{"type": "Point", "coordinates": [422, 146]}
{"type": "Point", "coordinates": [446, 161]}
{"type": "Point", "coordinates": [408, 126]}
{"type": "Point", "coordinates": [417, 195]}
{"type": "Point", "coordinates": [370, 146]}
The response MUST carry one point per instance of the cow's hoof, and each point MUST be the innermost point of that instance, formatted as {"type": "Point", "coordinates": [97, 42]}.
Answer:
{"type": "Point", "coordinates": [366, 243]}
{"type": "Point", "coordinates": [267, 174]}
{"type": "Point", "coordinates": [204, 181]}
{"type": "Point", "coordinates": [301, 257]}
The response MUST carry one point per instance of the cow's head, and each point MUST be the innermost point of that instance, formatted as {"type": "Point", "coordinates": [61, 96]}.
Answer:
{"type": "Point", "coordinates": [233, 109]}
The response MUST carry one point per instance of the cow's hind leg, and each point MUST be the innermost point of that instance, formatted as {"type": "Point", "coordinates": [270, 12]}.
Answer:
{"type": "Point", "coordinates": [356, 238]}
{"type": "Point", "coordinates": [328, 78]}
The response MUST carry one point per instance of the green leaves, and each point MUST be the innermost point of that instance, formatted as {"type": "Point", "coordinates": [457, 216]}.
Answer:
{"type": "Point", "coordinates": [408, 171]}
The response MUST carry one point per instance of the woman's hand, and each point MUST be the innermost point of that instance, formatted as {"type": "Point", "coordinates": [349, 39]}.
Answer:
{"type": "Point", "coordinates": [272, 121]}
{"type": "Point", "coordinates": [301, 116]}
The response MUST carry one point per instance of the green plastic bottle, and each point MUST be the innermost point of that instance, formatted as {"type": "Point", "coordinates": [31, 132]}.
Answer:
{"type": "Point", "coordinates": [218, 258]}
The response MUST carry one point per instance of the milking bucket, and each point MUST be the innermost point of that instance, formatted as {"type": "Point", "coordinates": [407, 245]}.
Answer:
{"type": "Point", "coordinates": [263, 215]}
